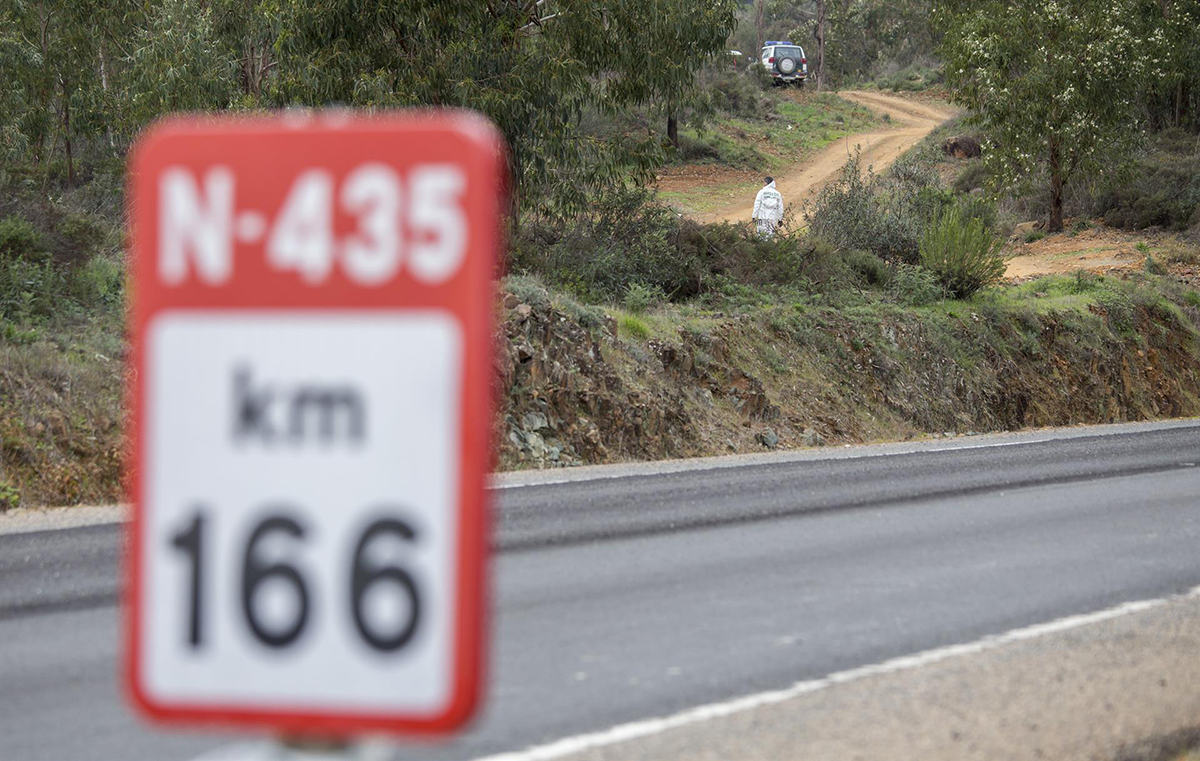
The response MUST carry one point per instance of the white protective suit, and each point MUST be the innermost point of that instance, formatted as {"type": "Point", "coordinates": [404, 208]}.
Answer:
{"type": "Point", "coordinates": [768, 209]}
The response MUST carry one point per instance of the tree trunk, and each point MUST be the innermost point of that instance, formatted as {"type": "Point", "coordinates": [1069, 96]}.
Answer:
{"type": "Point", "coordinates": [1179, 103]}
{"type": "Point", "coordinates": [673, 130]}
{"type": "Point", "coordinates": [66, 125]}
{"type": "Point", "coordinates": [1056, 189]}
{"type": "Point", "coordinates": [760, 26]}
{"type": "Point", "coordinates": [108, 133]}
{"type": "Point", "coordinates": [820, 45]}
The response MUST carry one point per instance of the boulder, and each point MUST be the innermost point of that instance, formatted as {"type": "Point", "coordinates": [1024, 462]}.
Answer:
{"type": "Point", "coordinates": [962, 147]}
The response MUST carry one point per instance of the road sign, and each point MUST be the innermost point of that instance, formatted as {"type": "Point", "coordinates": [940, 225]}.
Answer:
{"type": "Point", "coordinates": [311, 420]}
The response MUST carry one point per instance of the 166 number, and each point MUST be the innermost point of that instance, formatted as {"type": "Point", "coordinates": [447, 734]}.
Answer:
{"type": "Point", "coordinates": [364, 575]}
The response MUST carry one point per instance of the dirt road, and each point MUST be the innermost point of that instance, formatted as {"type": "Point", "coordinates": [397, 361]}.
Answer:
{"type": "Point", "coordinates": [911, 122]}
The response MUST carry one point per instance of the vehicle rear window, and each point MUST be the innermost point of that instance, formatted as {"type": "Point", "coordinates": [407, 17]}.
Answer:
{"type": "Point", "coordinates": [789, 53]}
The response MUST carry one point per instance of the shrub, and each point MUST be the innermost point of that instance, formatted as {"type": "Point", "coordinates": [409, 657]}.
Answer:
{"type": "Point", "coordinates": [963, 254]}
{"type": "Point", "coordinates": [1154, 266]}
{"type": "Point", "coordinates": [973, 176]}
{"type": "Point", "coordinates": [736, 91]}
{"type": "Point", "coordinates": [100, 282]}
{"type": "Point", "coordinates": [916, 286]}
{"type": "Point", "coordinates": [917, 76]}
{"type": "Point", "coordinates": [627, 238]}
{"type": "Point", "coordinates": [979, 207]}
{"type": "Point", "coordinates": [868, 268]}
{"type": "Point", "coordinates": [1033, 236]}
{"type": "Point", "coordinates": [883, 215]}
{"type": "Point", "coordinates": [29, 289]}
{"type": "Point", "coordinates": [19, 240]}
{"type": "Point", "coordinates": [1161, 187]}
{"type": "Point", "coordinates": [639, 297]}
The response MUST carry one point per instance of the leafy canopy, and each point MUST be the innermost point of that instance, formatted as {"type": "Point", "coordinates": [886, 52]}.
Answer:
{"type": "Point", "coordinates": [1053, 82]}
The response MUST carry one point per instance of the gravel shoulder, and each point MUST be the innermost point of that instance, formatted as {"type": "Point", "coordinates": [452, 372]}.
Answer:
{"type": "Point", "coordinates": [1122, 688]}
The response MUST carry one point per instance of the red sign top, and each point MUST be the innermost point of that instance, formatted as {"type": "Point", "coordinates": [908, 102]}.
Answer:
{"type": "Point", "coordinates": [316, 210]}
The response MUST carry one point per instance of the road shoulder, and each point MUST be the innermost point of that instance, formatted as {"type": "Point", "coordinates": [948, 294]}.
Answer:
{"type": "Point", "coordinates": [1092, 691]}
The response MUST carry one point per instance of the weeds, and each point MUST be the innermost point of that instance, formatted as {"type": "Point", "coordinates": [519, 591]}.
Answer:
{"type": "Point", "coordinates": [633, 326]}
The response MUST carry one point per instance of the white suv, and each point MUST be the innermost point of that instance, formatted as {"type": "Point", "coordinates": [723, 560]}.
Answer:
{"type": "Point", "coordinates": [785, 62]}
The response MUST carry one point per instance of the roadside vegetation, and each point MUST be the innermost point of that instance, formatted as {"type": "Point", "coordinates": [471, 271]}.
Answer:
{"type": "Point", "coordinates": [881, 310]}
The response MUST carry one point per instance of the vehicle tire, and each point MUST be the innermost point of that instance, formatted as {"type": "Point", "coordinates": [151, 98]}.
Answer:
{"type": "Point", "coordinates": [787, 66]}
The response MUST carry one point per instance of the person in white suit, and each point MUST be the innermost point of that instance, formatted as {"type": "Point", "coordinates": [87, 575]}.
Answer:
{"type": "Point", "coordinates": [768, 209]}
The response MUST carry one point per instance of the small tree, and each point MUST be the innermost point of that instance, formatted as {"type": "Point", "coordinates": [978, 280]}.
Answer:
{"type": "Point", "coordinates": [1053, 83]}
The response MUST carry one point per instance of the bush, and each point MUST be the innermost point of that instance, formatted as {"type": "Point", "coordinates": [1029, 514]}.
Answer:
{"type": "Point", "coordinates": [978, 207]}
{"type": "Point", "coordinates": [883, 215]}
{"type": "Point", "coordinates": [973, 176]}
{"type": "Point", "coordinates": [869, 269]}
{"type": "Point", "coordinates": [916, 286]}
{"type": "Point", "coordinates": [19, 240]}
{"type": "Point", "coordinates": [627, 238]}
{"type": "Point", "coordinates": [736, 91]}
{"type": "Point", "coordinates": [639, 297]}
{"type": "Point", "coordinates": [29, 289]}
{"type": "Point", "coordinates": [963, 254]}
{"type": "Point", "coordinates": [916, 76]}
{"type": "Point", "coordinates": [100, 282]}
{"type": "Point", "coordinates": [1161, 188]}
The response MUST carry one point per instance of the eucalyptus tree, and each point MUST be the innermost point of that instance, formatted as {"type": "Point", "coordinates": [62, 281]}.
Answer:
{"type": "Point", "coordinates": [1054, 84]}
{"type": "Point", "coordinates": [535, 67]}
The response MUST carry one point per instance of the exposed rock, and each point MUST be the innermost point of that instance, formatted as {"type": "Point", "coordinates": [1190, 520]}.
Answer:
{"type": "Point", "coordinates": [768, 438]}
{"type": "Point", "coordinates": [534, 421]}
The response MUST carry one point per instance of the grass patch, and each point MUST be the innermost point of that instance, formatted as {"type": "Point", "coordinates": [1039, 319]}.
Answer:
{"type": "Point", "coordinates": [632, 326]}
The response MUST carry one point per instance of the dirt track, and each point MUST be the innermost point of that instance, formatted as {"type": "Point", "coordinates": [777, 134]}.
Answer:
{"type": "Point", "coordinates": [912, 121]}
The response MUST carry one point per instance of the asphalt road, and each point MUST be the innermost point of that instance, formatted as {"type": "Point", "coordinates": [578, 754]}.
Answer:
{"type": "Point", "coordinates": [633, 595]}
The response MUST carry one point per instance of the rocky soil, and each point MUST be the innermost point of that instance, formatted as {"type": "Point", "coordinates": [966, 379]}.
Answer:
{"type": "Point", "coordinates": [574, 394]}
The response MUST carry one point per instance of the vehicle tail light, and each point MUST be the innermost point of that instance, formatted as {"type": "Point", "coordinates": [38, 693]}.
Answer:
{"type": "Point", "coordinates": [771, 59]}
{"type": "Point", "coordinates": [804, 60]}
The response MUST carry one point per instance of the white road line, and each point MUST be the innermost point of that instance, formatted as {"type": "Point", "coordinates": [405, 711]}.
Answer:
{"type": "Point", "coordinates": [647, 727]}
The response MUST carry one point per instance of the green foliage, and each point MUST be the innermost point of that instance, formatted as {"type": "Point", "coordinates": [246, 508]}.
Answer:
{"type": "Point", "coordinates": [1154, 267]}
{"type": "Point", "coordinates": [99, 282]}
{"type": "Point", "coordinates": [30, 289]}
{"type": "Point", "coordinates": [737, 92]}
{"type": "Point", "coordinates": [1080, 65]}
{"type": "Point", "coordinates": [625, 239]}
{"type": "Point", "coordinates": [873, 39]}
{"type": "Point", "coordinates": [1160, 187]}
{"type": "Point", "coordinates": [1033, 236]}
{"type": "Point", "coordinates": [884, 215]}
{"type": "Point", "coordinates": [915, 77]}
{"type": "Point", "coordinates": [19, 240]}
{"type": "Point", "coordinates": [10, 497]}
{"type": "Point", "coordinates": [633, 326]}
{"type": "Point", "coordinates": [916, 286]}
{"type": "Point", "coordinates": [963, 253]}
{"type": "Point", "coordinates": [639, 297]}
{"type": "Point", "coordinates": [528, 289]}
{"type": "Point", "coordinates": [868, 268]}
{"type": "Point", "coordinates": [974, 175]}
{"type": "Point", "coordinates": [534, 68]}
{"type": "Point", "coordinates": [178, 62]}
